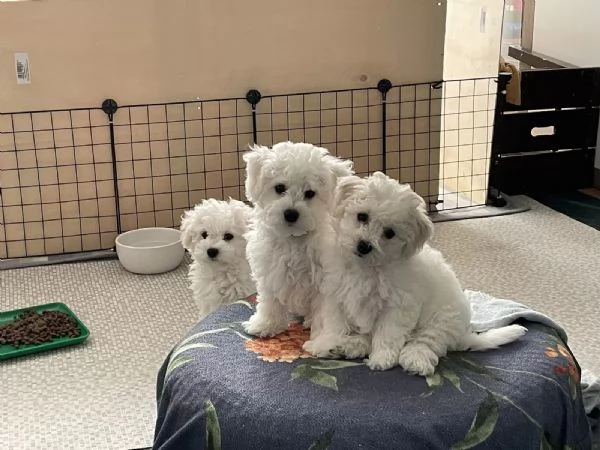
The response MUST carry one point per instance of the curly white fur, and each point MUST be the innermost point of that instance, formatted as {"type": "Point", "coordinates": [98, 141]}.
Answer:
{"type": "Point", "coordinates": [214, 234]}
{"type": "Point", "coordinates": [292, 187]}
{"type": "Point", "coordinates": [387, 294]}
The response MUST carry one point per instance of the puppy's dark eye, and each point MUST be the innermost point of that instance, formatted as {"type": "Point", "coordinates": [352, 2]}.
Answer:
{"type": "Point", "coordinates": [204, 235]}
{"type": "Point", "coordinates": [389, 233]}
{"type": "Point", "coordinates": [227, 236]}
{"type": "Point", "coordinates": [309, 194]}
{"type": "Point", "coordinates": [280, 188]}
{"type": "Point", "coordinates": [362, 217]}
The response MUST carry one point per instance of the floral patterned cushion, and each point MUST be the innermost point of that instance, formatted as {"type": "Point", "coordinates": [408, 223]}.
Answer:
{"type": "Point", "coordinates": [220, 388]}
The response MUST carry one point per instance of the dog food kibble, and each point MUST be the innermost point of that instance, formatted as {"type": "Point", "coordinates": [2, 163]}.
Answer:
{"type": "Point", "coordinates": [37, 328]}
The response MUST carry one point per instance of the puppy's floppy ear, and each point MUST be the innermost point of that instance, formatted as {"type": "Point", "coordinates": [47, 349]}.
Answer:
{"type": "Point", "coordinates": [345, 188]}
{"type": "Point", "coordinates": [241, 211]}
{"type": "Point", "coordinates": [248, 213]}
{"type": "Point", "coordinates": [420, 224]}
{"type": "Point", "coordinates": [339, 167]}
{"type": "Point", "coordinates": [188, 234]}
{"type": "Point", "coordinates": [255, 160]}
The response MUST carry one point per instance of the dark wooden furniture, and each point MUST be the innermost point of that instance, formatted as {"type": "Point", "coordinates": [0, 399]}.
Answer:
{"type": "Point", "coordinates": [548, 142]}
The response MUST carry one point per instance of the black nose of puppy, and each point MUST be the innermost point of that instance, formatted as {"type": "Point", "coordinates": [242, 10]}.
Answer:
{"type": "Point", "coordinates": [291, 215]}
{"type": "Point", "coordinates": [364, 247]}
{"type": "Point", "coordinates": [212, 252]}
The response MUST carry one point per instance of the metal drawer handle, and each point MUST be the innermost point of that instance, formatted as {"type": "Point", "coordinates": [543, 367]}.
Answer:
{"type": "Point", "coordinates": [543, 131]}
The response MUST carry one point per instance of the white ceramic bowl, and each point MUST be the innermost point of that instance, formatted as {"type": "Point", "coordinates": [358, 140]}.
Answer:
{"type": "Point", "coordinates": [150, 250]}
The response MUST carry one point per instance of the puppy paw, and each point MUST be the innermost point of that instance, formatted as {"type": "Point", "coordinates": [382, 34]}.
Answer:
{"type": "Point", "coordinates": [352, 347]}
{"type": "Point", "coordinates": [355, 347]}
{"type": "Point", "coordinates": [382, 360]}
{"type": "Point", "coordinates": [261, 327]}
{"type": "Point", "coordinates": [319, 349]}
{"type": "Point", "coordinates": [307, 323]}
{"type": "Point", "coordinates": [418, 359]}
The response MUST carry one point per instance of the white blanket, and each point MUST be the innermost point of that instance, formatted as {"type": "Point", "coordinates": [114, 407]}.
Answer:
{"type": "Point", "coordinates": [490, 312]}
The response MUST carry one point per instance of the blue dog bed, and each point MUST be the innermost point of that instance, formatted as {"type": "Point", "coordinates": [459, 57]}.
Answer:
{"type": "Point", "coordinates": [220, 388]}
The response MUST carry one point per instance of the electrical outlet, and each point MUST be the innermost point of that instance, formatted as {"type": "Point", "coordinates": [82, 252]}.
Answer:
{"type": "Point", "coordinates": [22, 68]}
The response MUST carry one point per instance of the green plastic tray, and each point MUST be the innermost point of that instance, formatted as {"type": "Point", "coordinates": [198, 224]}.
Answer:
{"type": "Point", "coordinates": [10, 351]}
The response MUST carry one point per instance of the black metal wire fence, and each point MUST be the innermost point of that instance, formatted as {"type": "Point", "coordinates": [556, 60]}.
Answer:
{"type": "Point", "coordinates": [71, 180]}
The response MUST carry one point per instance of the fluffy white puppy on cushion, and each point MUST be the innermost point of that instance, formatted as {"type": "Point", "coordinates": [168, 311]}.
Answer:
{"type": "Point", "coordinates": [213, 232]}
{"type": "Point", "coordinates": [386, 292]}
{"type": "Point", "coordinates": [291, 186]}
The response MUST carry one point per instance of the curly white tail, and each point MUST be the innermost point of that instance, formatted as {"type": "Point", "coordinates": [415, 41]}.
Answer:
{"type": "Point", "coordinates": [492, 338]}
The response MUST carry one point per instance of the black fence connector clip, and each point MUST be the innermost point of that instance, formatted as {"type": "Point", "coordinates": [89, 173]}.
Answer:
{"type": "Point", "coordinates": [253, 97]}
{"type": "Point", "coordinates": [110, 107]}
{"type": "Point", "coordinates": [384, 87]}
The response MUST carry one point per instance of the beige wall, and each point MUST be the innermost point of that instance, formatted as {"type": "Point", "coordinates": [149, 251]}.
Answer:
{"type": "Point", "coordinates": [568, 31]}
{"type": "Point", "coordinates": [472, 49]}
{"type": "Point", "coordinates": [143, 51]}
{"type": "Point", "coordinates": [170, 157]}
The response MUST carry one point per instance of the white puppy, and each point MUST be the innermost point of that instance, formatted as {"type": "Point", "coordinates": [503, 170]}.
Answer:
{"type": "Point", "coordinates": [292, 187]}
{"type": "Point", "coordinates": [213, 232]}
{"type": "Point", "coordinates": [386, 292]}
